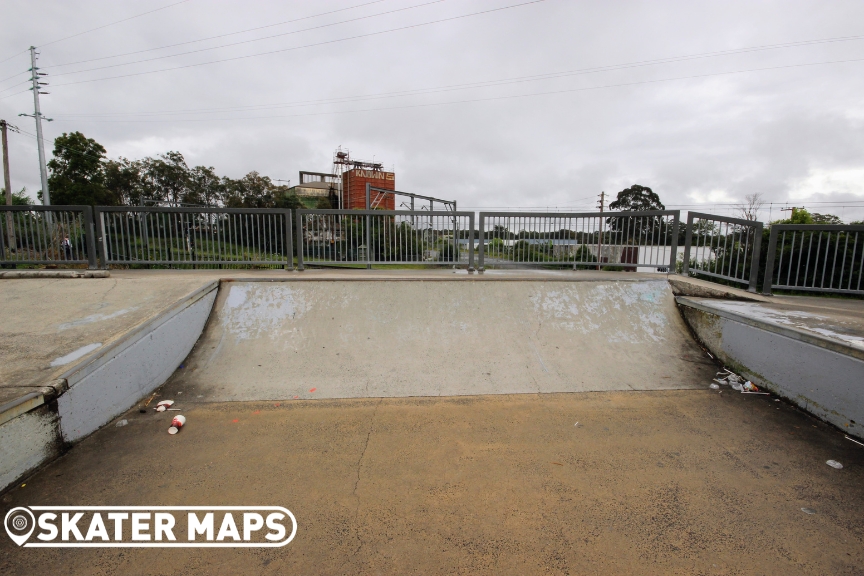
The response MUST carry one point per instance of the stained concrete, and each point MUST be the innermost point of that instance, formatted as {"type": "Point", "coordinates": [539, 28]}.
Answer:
{"type": "Point", "coordinates": [669, 482]}
{"type": "Point", "coordinates": [814, 360]}
{"type": "Point", "coordinates": [360, 339]}
{"type": "Point", "coordinates": [48, 325]}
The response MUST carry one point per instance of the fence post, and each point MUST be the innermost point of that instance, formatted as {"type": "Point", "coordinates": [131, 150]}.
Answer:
{"type": "Point", "coordinates": [299, 221]}
{"type": "Point", "coordinates": [100, 238]}
{"type": "Point", "coordinates": [769, 263]}
{"type": "Point", "coordinates": [289, 265]}
{"type": "Point", "coordinates": [757, 255]}
{"type": "Point", "coordinates": [91, 242]}
{"type": "Point", "coordinates": [471, 243]}
{"type": "Point", "coordinates": [673, 258]}
{"type": "Point", "coordinates": [6, 219]}
{"type": "Point", "coordinates": [688, 242]}
{"type": "Point", "coordinates": [481, 224]}
{"type": "Point", "coordinates": [368, 235]}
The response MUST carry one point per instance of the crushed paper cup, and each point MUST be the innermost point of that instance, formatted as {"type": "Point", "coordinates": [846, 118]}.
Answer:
{"type": "Point", "coordinates": [176, 424]}
{"type": "Point", "coordinates": [164, 405]}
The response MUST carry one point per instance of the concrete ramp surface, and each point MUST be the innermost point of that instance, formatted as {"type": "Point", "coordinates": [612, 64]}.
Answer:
{"type": "Point", "coordinates": [310, 339]}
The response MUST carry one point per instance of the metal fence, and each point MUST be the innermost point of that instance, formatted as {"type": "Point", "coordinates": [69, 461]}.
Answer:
{"type": "Point", "coordinates": [367, 237]}
{"type": "Point", "coordinates": [815, 258]}
{"type": "Point", "coordinates": [723, 248]}
{"type": "Point", "coordinates": [195, 237]}
{"type": "Point", "coordinates": [47, 235]}
{"type": "Point", "coordinates": [628, 240]}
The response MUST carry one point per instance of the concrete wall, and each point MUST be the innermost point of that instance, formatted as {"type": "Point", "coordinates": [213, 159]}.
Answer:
{"type": "Point", "coordinates": [357, 339]}
{"type": "Point", "coordinates": [819, 379]}
{"type": "Point", "coordinates": [103, 386]}
{"type": "Point", "coordinates": [26, 442]}
{"type": "Point", "coordinates": [112, 383]}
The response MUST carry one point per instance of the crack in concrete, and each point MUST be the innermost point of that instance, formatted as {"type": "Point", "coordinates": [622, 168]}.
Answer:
{"type": "Point", "coordinates": [105, 295]}
{"type": "Point", "coordinates": [357, 480]}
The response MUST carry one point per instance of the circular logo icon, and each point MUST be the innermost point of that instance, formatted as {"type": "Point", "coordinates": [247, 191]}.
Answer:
{"type": "Point", "coordinates": [20, 524]}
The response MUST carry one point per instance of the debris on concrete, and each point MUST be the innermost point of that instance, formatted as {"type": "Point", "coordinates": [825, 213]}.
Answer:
{"type": "Point", "coordinates": [714, 386]}
{"type": "Point", "coordinates": [151, 399]}
{"type": "Point", "coordinates": [123, 422]}
{"type": "Point", "coordinates": [834, 464]}
{"type": "Point", "coordinates": [808, 510]}
{"type": "Point", "coordinates": [164, 405]}
{"type": "Point", "coordinates": [853, 440]}
{"type": "Point", "coordinates": [176, 424]}
{"type": "Point", "coordinates": [739, 384]}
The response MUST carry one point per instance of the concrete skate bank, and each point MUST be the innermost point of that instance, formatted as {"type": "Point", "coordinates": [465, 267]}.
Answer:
{"type": "Point", "coordinates": [343, 335]}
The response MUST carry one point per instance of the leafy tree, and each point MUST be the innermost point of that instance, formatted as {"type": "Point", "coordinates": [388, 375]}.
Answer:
{"type": "Point", "coordinates": [825, 219]}
{"type": "Point", "coordinates": [204, 187]}
{"type": "Point", "coordinates": [166, 178]}
{"type": "Point", "coordinates": [288, 200]}
{"type": "Point", "coordinates": [323, 203]}
{"type": "Point", "coordinates": [123, 179]}
{"type": "Point", "coordinates": [77, 172]}
{"type": "Point", "coordinates": [637, 199]}
{"type": "Point", "coordinates": [20, 198]}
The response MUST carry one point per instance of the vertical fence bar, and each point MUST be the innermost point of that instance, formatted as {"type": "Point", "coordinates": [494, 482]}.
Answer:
{"type": "Point", "coordinates": [769, 262]}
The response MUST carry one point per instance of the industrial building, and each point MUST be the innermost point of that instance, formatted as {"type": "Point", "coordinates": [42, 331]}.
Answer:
{"type": "Point", "coordinates": [345, 186]}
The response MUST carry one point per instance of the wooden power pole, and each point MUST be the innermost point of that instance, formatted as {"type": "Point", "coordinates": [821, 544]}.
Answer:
{"type": "Point", "coordinates": [10, 230]}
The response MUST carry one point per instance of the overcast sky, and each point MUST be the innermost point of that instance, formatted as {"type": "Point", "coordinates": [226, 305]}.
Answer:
{"type": "Point", "coordinates": [786, 122]}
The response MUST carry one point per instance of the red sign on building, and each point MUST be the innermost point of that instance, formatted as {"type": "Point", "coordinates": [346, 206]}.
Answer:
{"type": "Point", "coordinates": [354, 189]}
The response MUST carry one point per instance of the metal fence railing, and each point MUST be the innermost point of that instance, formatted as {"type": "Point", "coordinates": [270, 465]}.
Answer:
{"type": "Point", "coordinates": [48, 235]}
{"type": "Point", "coordinates": [195, 237]}
{"type": "Point", "coordinates": [367, 237]}
{"type": "Point", "coordinates": [629, 240]}
{"type": "Point", "coordinates": [815, 258]}
{"type": "Point", "coordinates": [723, 248]}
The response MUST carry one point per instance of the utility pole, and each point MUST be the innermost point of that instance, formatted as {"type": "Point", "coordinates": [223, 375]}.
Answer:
{"type": "Point", "coordinates": [10, 230]}
{"type": "Point", "coordinates": [34, 78]}
{"type": "Point", "coordinates": [600, 238]}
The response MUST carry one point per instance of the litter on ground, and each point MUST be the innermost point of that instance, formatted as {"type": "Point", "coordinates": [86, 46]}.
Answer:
{"type": "Point", "coordinates": [164, 405]}
{"type": "Point", "coordinates": [739, 384]}
{"type": "Point", "coordinates": [834, 464]}
{"type": "Point", "coordinates": [176, 424]}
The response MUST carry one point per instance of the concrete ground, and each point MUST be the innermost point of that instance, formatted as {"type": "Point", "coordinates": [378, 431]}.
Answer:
{"type": "Point", "coordinates": [687, 481]}
{"type": "Point", "coordinates": [666, 482]}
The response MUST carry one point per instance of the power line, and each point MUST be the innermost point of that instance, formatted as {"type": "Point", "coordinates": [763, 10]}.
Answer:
{"type": "Point", "coordinates": [112, 23]}
{"type": "Point", "coordinates": [370, 34]}
{"type": "Point", "coordinates": [251, 40]}
{"type": "Point", "coordinates": [16, 85]}
{"type": "Point", "coordinates": [94, 29]}
{"type": "Point", "coordinates": [219, 35]}
{"type": "Point", "coordinates": [447, 88]}
{"type": "Point", "coordinates": [495, 98]}
{"type": "Point", "coordinates": [16, 93]}
{"type": "Point", "coordinates": [480, 84]}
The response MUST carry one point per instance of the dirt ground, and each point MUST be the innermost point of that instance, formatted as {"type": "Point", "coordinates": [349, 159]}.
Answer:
{"type": "Point", "coordinates": [665, 482]}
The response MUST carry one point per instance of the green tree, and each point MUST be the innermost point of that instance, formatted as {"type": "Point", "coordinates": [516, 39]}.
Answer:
{"type": "Point", "coordinates": [637, 199]}
{"type": "Point", "coordinates": [825, 219]}
{"type": "Point", "coordinates": [123, 179]}
{"type": "Point", "coordinates": [204, 187]}
{"type": "Point", "coordinates": [20, 198]}
{"type": "Point", "coordinates": [166, 178]}
{"type": "Point", "coordinates": [77, 172]}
